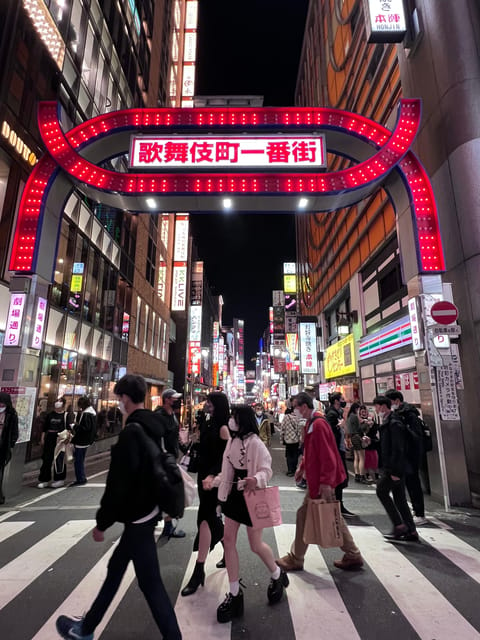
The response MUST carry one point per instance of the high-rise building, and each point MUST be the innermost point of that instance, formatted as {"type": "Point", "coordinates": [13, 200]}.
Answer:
{"type": "Point", "coordinates": [356, 263]}
{"type": "Point", "coordinates": [107, 306]}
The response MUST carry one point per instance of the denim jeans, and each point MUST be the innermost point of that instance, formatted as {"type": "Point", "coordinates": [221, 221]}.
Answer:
{"type": "Point", "coordinates": [137, 544]}
{"type": "Point", "coordinates": [79, 463]}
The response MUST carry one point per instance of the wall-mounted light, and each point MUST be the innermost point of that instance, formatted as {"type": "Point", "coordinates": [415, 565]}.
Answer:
{"type": "Point", "coordinates": [344, 321]}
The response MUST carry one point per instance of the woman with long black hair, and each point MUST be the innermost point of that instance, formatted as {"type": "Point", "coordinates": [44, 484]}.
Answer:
{"type": "Point", "coordinates": [213, 438]}
{"type": "Point", "coordinates": [247, 465]}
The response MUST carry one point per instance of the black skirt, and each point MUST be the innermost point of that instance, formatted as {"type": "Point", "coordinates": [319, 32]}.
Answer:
{"type": "Point", "coordinates": [235, 507]}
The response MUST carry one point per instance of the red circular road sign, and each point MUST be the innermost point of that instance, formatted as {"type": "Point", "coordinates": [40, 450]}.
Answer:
{"type": "Point", "coordinates": [444, 312]}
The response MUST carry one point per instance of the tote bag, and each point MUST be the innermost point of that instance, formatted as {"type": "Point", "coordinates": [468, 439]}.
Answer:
{"type": "Point", "coordinates": [323, 524]}
{"type": "Point", "coordinates": [189, 487]}
{"type": "Point", "coordinates": [264, 507]}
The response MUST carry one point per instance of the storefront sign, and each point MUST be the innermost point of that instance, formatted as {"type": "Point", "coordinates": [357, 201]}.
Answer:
{"type": "Point", "coordinates": [39, 323]}
{"type": "Point", "coordinates": [290, 283]}
{"type": "Point", "coordinates": [393, 336]}
{"type": "Point", "coordinates": [216, 152]}
{"type": "Point", "coordinates": [179, 287]}
{"type": "Point", "coordinates": [385, 20]}
{"type": "Point", "coordinates": [289, 268]}
{"type": "Point", "coordinates": [307, 333]}
{"type": "Point", "coordinates": [18, 144]}
{"type": "Point", "coordinates": [417, 338]}
{"type": "Point", "coordinates": [180, 253]}
{"type": "Point", "coordinates": [14, 320]}
{"type": "Point", "coordinates": [340, 358]}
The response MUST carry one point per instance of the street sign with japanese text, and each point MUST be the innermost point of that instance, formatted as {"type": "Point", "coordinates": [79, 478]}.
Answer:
{"type": "Point", "coordinates": [220, 152]}
{"type": "Point", "coordinates": [446, 330]}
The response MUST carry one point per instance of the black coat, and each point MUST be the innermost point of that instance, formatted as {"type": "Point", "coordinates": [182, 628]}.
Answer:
{"type": "Point", "coordinates": [86, 428]}
{"type": "Point", "coordinates": [393, 446]}
{"type": "Point", "coordinates": [333, 416]}
{"type": "Point", "coordinates": [9, 435]}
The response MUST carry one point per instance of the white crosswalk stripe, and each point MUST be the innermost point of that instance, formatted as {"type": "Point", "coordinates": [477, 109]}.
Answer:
{"type": "Point", "coordinates": [316, 596]}
{"type": "Point", "coordinates": [19, 573]}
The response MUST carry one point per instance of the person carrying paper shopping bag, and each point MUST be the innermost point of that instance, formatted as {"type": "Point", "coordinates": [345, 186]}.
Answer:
{"type": "Point", "coordinates": [323, 470]}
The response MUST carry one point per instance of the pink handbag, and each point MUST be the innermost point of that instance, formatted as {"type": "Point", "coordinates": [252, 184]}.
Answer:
{"type": "Point", "coordinates": [264, 507]}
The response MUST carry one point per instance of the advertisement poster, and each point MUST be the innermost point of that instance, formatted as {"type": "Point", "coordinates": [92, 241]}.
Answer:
{"type": "Point", "coordinates": [23, 399]}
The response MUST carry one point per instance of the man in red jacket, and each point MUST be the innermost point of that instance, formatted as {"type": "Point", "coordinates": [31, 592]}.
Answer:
{"type": "Point", "coordinates": [323, 469]}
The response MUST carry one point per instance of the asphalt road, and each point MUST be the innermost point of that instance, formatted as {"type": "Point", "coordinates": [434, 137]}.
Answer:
{"type": "Point", "coordinates": [49, 565]}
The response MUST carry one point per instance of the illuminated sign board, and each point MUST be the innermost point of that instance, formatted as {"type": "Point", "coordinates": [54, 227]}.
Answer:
{"type": "Point", "coordinates": [289, 267]}
{"type": "Point", "coordinates": [125, 326]}
{"type": "Point", "coordinates": [290, 283]}
{"type": "Point", "coordinates": [18, 144]}
{"type": "Point", "coordinates": [14, 320]}
{"type": "Point", "coordinates": [179, 287]}
{"type": "Point", "coordinates": [393, 336]}
{"type": "Point", "coordinates": [340, 358]}
{"type": "Point", "coordinates": [180, 252]}
{"type": "Point", "coordinates": [196, 323]}
{"type": "Point", "coordinates": [385, 20]}
{"type": "Point", "coordinates": [307, 334]}
{"type": "Point", "coordinates": [162, 279]}
{"type": "Point", "coordinates": [39, 323]}
{"type": "Point", "coordinates": [46, 29]}
{"type": "Point", "coordinates": [219, 152]}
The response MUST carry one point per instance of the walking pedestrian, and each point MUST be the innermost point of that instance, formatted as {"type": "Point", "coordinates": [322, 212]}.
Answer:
{"type": "Point", "coordinates": [324, 470]}
{"type": "Point", "coordinates": [356, 431]}
{"type": "Point", "coordinates": [393, 467]}
{"type": "Point", "coordinates": [129, 499]}
{"type": "Point", "coordinates": [263, 423]}
{"type": "Point", "coordinates": [290, 437]}
{"type": "Point", "coordinates": [8, 435]}
{"type": "Point", "coordinates": [56, 422]}
{"type": "Point", "coordinates": [84, 434]}
{"type": "Point", "coordinates": [247, 465]}
{"type": "Point", "coordinates": [165, 414]}
{"type": "Point", "coordinates": [334, 417]}
{"type": "Point", "coordinates": [415, 453]}
{"type": "Point", "coordinates": [214, 434]}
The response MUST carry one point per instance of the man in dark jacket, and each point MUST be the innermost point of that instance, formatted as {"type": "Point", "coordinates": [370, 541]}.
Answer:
{"type": "Point", "coordinates": [394, 465]}
{"type": "Point", "coordinates": [415, 454]}
{"type": "Point", "coordinates": [165, 415]}
{"type": "Point", "coordinates": [85, 431]}
{"type": "Point", "coordinates": [129, 498]}
{"type": "Point", "coordinates": [335, 419]}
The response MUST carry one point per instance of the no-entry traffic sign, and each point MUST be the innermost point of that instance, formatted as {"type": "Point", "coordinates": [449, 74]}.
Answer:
{"type": "Point", "coordinates": [444, 312]}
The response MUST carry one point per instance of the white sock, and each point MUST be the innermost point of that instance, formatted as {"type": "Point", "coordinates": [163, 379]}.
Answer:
{"type": "Point", "coordinates": [276, 573]}
{"type": "Point", "coordinates": [234, 588]}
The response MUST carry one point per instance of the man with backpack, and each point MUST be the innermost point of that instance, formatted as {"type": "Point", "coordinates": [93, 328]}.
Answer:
{"type": "Point", "coordinates": [130, 498]}
{"type": "Point", "coordinates": [393, 440]}
{"type": "Point", "coordinates": [417, 445]}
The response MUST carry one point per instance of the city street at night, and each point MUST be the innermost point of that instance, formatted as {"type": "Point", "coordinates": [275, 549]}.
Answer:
{"type": "Point", "coordinates": [430, 590]}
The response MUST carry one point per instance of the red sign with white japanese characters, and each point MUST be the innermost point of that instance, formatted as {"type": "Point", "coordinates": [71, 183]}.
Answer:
{"type": "Point", "coordinates": [208, 152]}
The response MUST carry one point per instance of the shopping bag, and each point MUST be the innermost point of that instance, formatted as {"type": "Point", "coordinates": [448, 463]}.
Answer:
{"type": "Point", "coordinates": [189, 461]}
{"type": "Point", "coordinates": [264, 507]}
{"type": "Point", "coordinates": [323, 524]}
{"type": "Point", "coordinates": [189, 487]}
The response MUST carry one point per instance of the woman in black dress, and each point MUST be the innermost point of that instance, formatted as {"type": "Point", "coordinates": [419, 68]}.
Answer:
{"type": "Point", "coordinates": [213, 438]}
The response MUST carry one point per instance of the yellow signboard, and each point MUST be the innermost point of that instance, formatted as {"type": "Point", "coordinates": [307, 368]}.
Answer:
{"type": "Point", "coordinates": [290, 283]}
{"type": "Point", "coordinates": [76, 284]}
{"type": "Point", "coordinates": [340, 358]}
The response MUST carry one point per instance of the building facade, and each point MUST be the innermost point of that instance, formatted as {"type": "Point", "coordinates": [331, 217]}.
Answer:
{"type": "Point", "coordinates": [357, 264]}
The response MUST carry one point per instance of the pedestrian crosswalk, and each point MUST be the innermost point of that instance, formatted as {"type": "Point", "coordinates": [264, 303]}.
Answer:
{"type": "Point", "coordinates": [403, 591]}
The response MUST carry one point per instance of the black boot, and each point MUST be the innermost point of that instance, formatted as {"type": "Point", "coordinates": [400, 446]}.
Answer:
{"type": "Point", "coordinates": [197, 579]}
{"type": "Point", "coordinates": [231, 607]}
{"type": "Point", "coordinates": [357, 477]}
{"type": "Point", "coordinates": [276, 587]}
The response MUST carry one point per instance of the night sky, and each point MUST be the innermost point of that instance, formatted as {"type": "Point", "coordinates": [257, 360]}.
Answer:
{"type": "Point", "coordinates": [248, 47]}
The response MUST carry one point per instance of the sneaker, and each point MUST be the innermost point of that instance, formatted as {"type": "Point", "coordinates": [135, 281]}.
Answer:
{"type": "Point", "coordinates": [57, 484]}
{"type": "Point", "coordinates": [276, 588]}
{"type": "Point", "coordinates": [399, 532]}
{"type": "Point", "coordinates": [42, 485]}
{"type": "Point", "coordinates": [71, 628]}
{"type": "Point", "coordinates": [351, 563]}
{"type": "Point", "coordinates": [347, 514]}
{"type": "Point", "coordinates": [302, 484]}
{"type": "Point", "coordinates": [420, 521]}
{"type": "Point", "coordinates": [231, 607]}
{"type": "Point", "coordinates": [77, 483]}
{"type": "Point", "coordinates": [289, 563]}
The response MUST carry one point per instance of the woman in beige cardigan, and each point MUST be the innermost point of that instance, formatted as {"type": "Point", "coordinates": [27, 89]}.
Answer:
{"type": "Point", "coordinates": [246, 466]}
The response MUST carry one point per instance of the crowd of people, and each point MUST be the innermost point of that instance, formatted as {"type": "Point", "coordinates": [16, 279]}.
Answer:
{"type": "Point", "coordinates": [232, 461]}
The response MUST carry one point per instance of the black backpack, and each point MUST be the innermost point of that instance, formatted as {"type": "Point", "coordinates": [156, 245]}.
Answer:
{"type": "Point", "coordinates": [165, 474]}
{"type": "Point", "coordinates": [419, 439]}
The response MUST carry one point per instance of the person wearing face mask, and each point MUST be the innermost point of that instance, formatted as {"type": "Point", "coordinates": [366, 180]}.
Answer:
{"type": "Point", "coordinates": [85, 431]}
{"type": "Point", "coordinates": [128, 498]}
{"type": "Point", "coordinates": [323, 468]}
{"type": "Point", "coordinates": [214, 434]}
{"type": "Point", "coordinates": [246, 465]}
{"type": "Point", "coordinates": [290, 436]}
{"type": "Point", "coordinates": [55, 422]}
{"type": "Point", "coordinates": [263, 423]}
{"type": "Point", "coordinates": [334, 417]}
{"type": "Point", "coordinates": [393, 468]}
{"type": "Point", "coordinates": [167, 417]}
{"type": "Point", "coordinates": [8, 435]}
